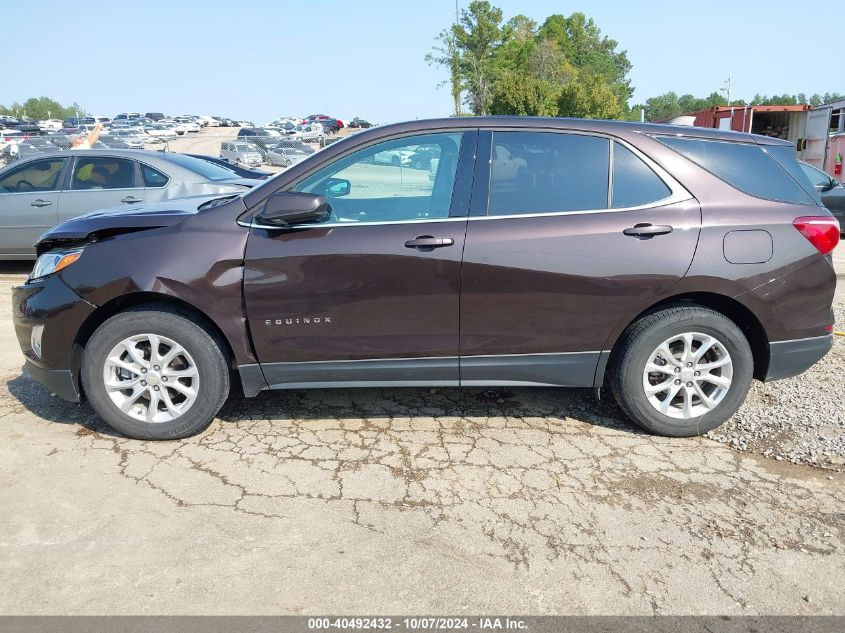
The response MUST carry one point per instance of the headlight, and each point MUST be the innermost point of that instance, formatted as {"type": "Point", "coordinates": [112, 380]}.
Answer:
{"type": "Point", "coordinates": [53, 262]}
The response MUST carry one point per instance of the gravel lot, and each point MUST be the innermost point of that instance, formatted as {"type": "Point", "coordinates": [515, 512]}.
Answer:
{"type": "Point", "coordinates": [800, 420]}
{"type": "Point", "coordinates": [417, 501]}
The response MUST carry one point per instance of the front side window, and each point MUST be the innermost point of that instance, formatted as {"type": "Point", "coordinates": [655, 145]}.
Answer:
{"type": "Point", "coordinates": [103, 173]}
{"type": "Point", "coordinates": [634, 183]}
{"type": "Point", "coordinates": [38, 175]}
{"type": "Point", "coordinates": [545, 172]}
{"type": "Point", "coordinates": [399, 180]}
{"type": "Point", "coordinates": [745, 166]}
{"type": "Point", "coordinates": [153, 177]}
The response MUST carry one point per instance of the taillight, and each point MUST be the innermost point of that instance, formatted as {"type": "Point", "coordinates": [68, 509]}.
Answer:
{"type": "Point", "coordinates": [821, 231]}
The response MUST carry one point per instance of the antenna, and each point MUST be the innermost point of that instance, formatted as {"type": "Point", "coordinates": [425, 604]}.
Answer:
{"type": "Point", "coordinates": [727, 89]}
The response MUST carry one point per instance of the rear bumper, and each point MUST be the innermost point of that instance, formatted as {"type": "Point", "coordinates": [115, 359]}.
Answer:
{"type": "Point", "coordinates": [790, 358]}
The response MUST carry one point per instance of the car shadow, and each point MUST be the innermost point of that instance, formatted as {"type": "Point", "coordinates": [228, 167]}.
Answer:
{"type": "Point", "coordinates": [361, 403]}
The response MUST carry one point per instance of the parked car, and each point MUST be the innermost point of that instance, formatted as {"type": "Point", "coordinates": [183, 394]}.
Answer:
{"type": "Point", "coordinates": [331, 125]}
{"type": "Point", "coordinates": [239, 170]}
{"type": "Point", "coordinates": [672, 265]}
{"type": "Point", "coordinates": [159, 131]}
{"type": "Point", "coordinates": [209, 121]}
{"type": "Point", "coordinates": [285, 156]}
{"type": "Point", "coordinates": [155, 116]}
{"type": "Point", "coordinates": [831, 191]}
{"type": "Point", "coordinates": [126, 116]}
{"type": "Point", "coordinates": [310, 132]}
{"type": "Point", "coordinates": [51, 125]}
{"type": "Point", "coordinates": [77, 121]}
{"type": "Point", "coordinates": [39, 192]}
{"type": "Point", "coordinates": [394, 157]}
{"type": "Point", "coordinates": [240, 153]}
{"type": "Point", "coordinates": [359, 123]}
{"type": "Point", "coordinates": [189, 124]}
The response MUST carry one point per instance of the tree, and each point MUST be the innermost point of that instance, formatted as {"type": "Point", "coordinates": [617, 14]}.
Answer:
{"type": "Point", "coordinates": [477, 37]}
{"type": "Point", "coordinates": [581, 42]}
{"type": "Point", "coordinates": [591, 97]}
{"type": "Point", "coordinates": [38, 108]}
{"type": "Point", "coordinates": [446, 54]}
{"type": "Point", "coordinates": [525, 95]}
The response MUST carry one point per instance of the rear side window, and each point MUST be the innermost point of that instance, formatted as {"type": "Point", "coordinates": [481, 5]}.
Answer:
{"type": "Point", "coordinates": [543, 172]}
{"type": "Point", "coordinates": [746, 166]}
{"type": "Point", "coordinates": [103, 173]}
{"type": "Point", "coordinates": [634, 183]}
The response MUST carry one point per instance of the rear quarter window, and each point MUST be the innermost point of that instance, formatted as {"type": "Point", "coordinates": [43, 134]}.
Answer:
{"type": "Point", "coordinates": [634, 183]}
{"type": "Point", "coordinates": [746, 166]}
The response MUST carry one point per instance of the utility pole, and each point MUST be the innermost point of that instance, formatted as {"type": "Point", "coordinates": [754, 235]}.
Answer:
{"type": "Point", "coordinates": [727, 89]}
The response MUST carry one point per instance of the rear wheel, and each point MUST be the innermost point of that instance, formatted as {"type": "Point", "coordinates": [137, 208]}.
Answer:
{"type": "Point", "coordinates": [682, 371]}
{"type": "Point", "coordinates": [153, 374]}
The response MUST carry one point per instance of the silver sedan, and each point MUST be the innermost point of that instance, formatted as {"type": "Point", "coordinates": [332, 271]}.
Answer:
{"type": "Point", "coordinates": [39, 192]}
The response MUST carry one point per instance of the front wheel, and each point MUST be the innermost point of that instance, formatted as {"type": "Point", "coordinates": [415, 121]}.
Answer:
{"type": "Point", "coordinates": [682, 371]}
{"type": "Point", "coordinates": [155, 374]}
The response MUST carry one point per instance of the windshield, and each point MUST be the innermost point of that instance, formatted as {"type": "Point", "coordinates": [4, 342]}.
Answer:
{"type": "Point", "coordinates": [199, 166]}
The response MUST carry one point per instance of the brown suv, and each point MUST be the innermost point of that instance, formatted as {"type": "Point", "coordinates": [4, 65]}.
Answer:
{"type": "Point", "coordinates": [673, 264]}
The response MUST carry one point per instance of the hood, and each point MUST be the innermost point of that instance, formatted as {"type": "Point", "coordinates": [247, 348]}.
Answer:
{"type": "Point", "coordinates": [126, 218]}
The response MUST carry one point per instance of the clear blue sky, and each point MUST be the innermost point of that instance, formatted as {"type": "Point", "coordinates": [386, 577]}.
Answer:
{"type": "Point", "coordinates": [261, 59]}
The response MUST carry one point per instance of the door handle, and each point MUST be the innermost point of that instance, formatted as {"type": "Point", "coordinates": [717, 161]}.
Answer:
{"type": "Point", "coordinates": [41, 203]}
{"type": "Point", "coordinates": [645, 230]}
{"type": "Point", "coordinates": [131, 199]}
{"type": "Point", "coordinates": [427, 242]}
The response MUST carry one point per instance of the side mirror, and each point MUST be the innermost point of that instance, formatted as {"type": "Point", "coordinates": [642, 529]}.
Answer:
{"type": "Point", "coordinates": [338, 187]}
{"type": "Point", "coordinates": [831, 184]}
{"type": "Point", "coordinates": [289, 209]}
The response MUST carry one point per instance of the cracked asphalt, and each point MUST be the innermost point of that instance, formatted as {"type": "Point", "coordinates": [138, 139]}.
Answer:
{"type": "Point", "coordinates": [402, 501]}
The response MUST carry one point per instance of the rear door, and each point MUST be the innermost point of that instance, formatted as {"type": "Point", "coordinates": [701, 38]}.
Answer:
{"type": "Point", "coordinates": [561, 249]}
{"type": "Point", "coordinates": [29, 203]}
{"type": "Point", "coordinates": [100, 182]}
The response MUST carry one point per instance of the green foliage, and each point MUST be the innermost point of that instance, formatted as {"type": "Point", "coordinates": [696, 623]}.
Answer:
{"type": "Point", "coordinates": [41, 108]}
{"type": "Point", "coordinates": [563, 68]}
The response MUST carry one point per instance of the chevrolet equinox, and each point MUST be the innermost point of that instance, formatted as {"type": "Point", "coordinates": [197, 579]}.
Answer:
{"type": "Point", "coordinates": [672, 265]}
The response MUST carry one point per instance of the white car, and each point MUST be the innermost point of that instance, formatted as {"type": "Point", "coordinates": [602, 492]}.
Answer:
{"type": "Point", "coordinates": [395, 157]}
{"type": "Point", "coordinates": [190, 124]}
{"type": "Point", "coordinates": [180, 128]}
{"type": "Point", "coordinates": [209, 121]}
{"type": "Point", "coordinates": [159, 131]}
{"type": "Point", "coordinates": [101, 119]}
{"type": "Point", "coordinates": [310, 132]}
{"type": "Point", "coordinates": [50, 125]}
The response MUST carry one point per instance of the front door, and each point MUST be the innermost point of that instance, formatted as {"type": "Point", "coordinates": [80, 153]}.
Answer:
{"type": "Point", "coordinates": [100, 182]}
{"type": "Point", "coordinates": [558, 255]}
{"type": "Point", "coordinates": [371, 296]}
{"type": "Point", "coordinates": [29, 203]}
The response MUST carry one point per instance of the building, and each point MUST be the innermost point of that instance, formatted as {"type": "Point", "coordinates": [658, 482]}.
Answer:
{"type": "Point", "coordinates": [825, 134]}
{"type": "Point", "coordinates": [818, 133]}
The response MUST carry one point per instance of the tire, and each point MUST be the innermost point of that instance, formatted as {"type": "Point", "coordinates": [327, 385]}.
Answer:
{"type": "Point", "coordinates": [201, 354]}
{"type": "Point", "coordinates": [686, 414]}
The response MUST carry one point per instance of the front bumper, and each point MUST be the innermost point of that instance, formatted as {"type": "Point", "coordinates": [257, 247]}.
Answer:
{"type": "Point", "coordinates": [790, 358]}
{"type": "Point", "coordinates": [51, 303]}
